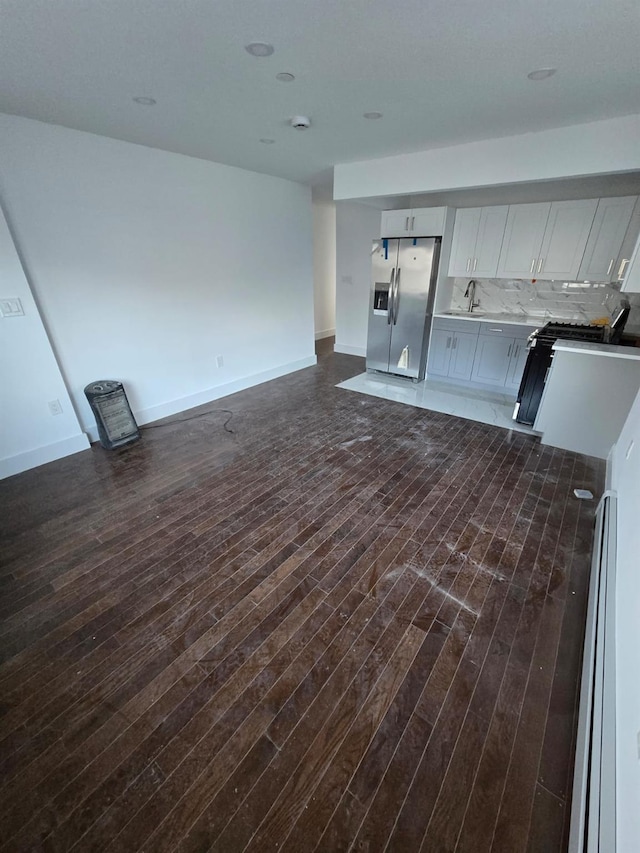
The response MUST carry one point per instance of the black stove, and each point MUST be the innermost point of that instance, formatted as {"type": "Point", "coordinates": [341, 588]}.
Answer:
{"type": "Point", "coordinates": [539, 363]}
{"type": "Point", "coordinates": [569, 332]}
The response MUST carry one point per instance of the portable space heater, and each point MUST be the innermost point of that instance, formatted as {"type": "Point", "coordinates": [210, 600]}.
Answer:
{"type": "Point", "coordinates": [114, 418]}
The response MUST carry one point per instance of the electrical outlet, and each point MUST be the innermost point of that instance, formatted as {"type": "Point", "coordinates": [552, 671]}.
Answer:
{"type": "Point", "coordinates": [55, 407]}
{"type": "Point", "coordinates": [11, 307]}
{"type": "Point", "coordinates": [219, 361]}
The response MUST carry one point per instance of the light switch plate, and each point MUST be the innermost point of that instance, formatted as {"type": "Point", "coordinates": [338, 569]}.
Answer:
{"type": "Point", "coordinates": [11, 307]}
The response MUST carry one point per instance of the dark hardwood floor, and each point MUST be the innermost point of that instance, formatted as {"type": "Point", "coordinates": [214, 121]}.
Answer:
{"type": "Point", "coordinates": [349, 625]}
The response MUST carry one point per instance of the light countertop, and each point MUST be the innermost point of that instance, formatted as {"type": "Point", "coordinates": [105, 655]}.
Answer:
{"type": "Point", "coordinates": [606, 350]}
{"type": "Point", "coordinates": [514, 319]}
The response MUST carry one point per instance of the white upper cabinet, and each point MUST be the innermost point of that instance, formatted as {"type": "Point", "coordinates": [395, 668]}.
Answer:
{"type": "Point", "coordinates": [395, 223]}
{"type": "Point", "coordinates": [565, 239]}
{"type": "Point", "coordinates": [546, 241]}
{"type": "Point", "coordinates": [413, 222]}
{"type": "Point", "coordinates": [477, 239]}
{"type": "Point", "coordinates": [522, 240]}
{"type": "Point", "coordinates": [631, 281]}
{"type": "Point", "coordinates": [628, 245]}
{"type": "Point", "coordinates": [605, 239]}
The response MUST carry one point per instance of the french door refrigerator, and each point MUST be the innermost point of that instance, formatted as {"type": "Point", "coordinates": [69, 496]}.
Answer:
{"type": "Point", "coordinates": [401, 305]}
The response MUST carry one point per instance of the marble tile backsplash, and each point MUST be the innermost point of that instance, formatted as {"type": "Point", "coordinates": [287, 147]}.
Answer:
{"type": "Point", "coordinates": [577, 302]}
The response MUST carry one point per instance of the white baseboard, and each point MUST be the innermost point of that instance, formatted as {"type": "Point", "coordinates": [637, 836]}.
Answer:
{"type": "Point", "coordinates": [174, 407]}
{"type": "Point", "coordinates": [328, 333]}
{"type": "Point", "coordinates": [349, 350]}
{"type": "Point", "coordinates": [41, 455]}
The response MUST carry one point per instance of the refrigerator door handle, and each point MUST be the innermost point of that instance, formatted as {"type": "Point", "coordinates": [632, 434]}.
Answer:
{"type": "Point", "coordinates": [396, 296]}
{"type": "Point", "coordinates": [390, 297]}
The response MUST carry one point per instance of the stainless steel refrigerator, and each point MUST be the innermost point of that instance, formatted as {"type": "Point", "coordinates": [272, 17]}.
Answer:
{"type": "Point", "coordinates": [401, 304]}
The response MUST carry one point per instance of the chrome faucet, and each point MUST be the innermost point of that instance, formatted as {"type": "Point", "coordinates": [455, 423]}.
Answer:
{"type": "Point", "coordinates": [470, 294]}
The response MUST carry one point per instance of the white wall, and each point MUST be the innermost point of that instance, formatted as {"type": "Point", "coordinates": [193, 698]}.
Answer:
{"type": "Point", "coordinates": [357, 226]}
{"type": "Point", "coordinates": [29, 434]}
{"type": "Point", "coordinates": [625, 477]}
{"type": "Point", "coordinates": [324, 265]}
{"type": "Point", "coordinates": [580, 150]}
{"type": "Point", "coordinates": [147, 265]}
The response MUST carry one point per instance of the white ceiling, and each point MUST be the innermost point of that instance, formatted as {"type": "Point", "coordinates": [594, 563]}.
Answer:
{"type": "Point", "coordinates": [441, 71]}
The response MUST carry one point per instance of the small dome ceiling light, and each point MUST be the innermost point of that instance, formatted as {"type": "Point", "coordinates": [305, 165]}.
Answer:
{"type": "Point", "coordinates": [300, 123]}
{"type": "Point", "coordinates": [541, 73]}
{"type": "Point", "coordinates": [266, 141]}
{"type": "Point", "coordinates": [145, 101]}
{"type": "Point", "coordinates": [285, 77]}
{"type": "Point", "coordinates": [373, 115]}
{"type": "Point", "coordinates": [259, 48]}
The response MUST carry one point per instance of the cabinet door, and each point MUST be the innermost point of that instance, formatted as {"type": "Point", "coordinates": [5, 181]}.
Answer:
{"type": "Point", "coordinates": [565, 239]}
{"type": "Point", "coordinates": [439, 352]}
{"type": "Point", "coordinates": [395, 223]}
{"type": "Point", "coordinates": [427, 222]}
{"type": "Point", "coordinates": [522, 240]}
{"type": "Point", "coordinates": [463, 245]}
{"type": "Point", "coordinates": [628, 245]}
{"type": "Point", "coordinates": [491, 363]}
{"type": "Point", "coordinates": [631, 283]}
{"type": "Point", "coordinates": [493, 221]}
{"type": "Point", "coordinates": [517, 361]}
{"type": "Point", "coordinates": [463, 350]}
{"type": "Point", "coordinates": [605, 238]}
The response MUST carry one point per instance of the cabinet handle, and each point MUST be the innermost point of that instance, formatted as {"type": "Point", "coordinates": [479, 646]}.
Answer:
{"type": "Point", "coordinates": [475, 264]}
{"type": "Point", "coordinates": [540, 262]}
{"type": "Point", "coordinates": [609, 267]}
{"type": "Point", "coordinates": [448, 341]}
{"type": "Point", "coordinates": [406, 224]}
{"type": "Point", "coordinates": [533, 266]}
{"type": "Point", "coordinates": [468, 264]}
{"type": "Point", "coordinates": [454, 343]}
{"type": "Point", "coordinates": [625, 261]}
{"type": "Point", "coordinates": [509, 351]}
{"type": "Point", "coordinates": [413, 219]}
{"type": "Point", "coordinates": [495, 330]}
{"type": "Point", "coordinates": [516, 351]}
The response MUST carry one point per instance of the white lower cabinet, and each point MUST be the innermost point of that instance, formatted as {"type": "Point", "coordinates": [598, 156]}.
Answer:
{"type": "Point", "coordinates": [491, 364]}
{"type": "Point", "coordinates": [463, 350]}
{"type": "Point", "coordinates": [476, 353]}
{"type": "Point", "coordinates": [517, 361]}
{"type": "Point", "coordinates": [439, 351]}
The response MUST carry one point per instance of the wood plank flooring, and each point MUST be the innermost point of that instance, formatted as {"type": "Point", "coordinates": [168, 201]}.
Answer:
{"type": "Point", "coordinates": [349, 625]}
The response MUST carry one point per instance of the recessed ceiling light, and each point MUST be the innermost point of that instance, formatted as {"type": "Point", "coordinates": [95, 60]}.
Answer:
{"type": "Point", "coordinates": [259, 48]}
{"type": "Point", "coordinates": [372, 116]}
{"type": "Point", "coordinates": [285, 77]}
{"type": "Point", "coordinates": [541, 73]}
{"type": "Point", "coordinates": [147, 102]}
{"type": "Point", "coordinates": [267, 141]}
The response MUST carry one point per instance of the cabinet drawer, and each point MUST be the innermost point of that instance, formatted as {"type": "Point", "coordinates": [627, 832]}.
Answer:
{"type": "Point", "coordinates": [508, 330]}
{"type": "Point", "coordinates": [453, 324]}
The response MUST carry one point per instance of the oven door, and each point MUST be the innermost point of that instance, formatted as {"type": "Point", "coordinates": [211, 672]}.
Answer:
{"type": "Point", "coordinates": [532, 384]}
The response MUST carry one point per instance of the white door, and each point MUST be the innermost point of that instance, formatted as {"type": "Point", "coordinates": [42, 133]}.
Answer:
{"type": "Point", "coordinates": [493, 221]}
{"type": "Point", "coordinates": [395, 223]}
{"type": "Point", "coordinates": [631, 283]}
{"type": "Point", "coordinates": [427, 222]}
{"type": "Point", "coordinates": [463, 245]}
{"type": "Point", "coordinates": [517, 363]}
{"type": "Point", "coordinates": [565, 239]}
{"type": "Point", "coordinates": [491, 364]}
{"type": "Point", "coordinates": [522, 240]}
{"type": "Point", "coordinates": [463, 350]}
{"type": "Point", "coordinates": [606, 237]}
{"type": "Point", "coordinates": [628, 245]}
{"type": "Point", "coordinates": [439, 352]}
